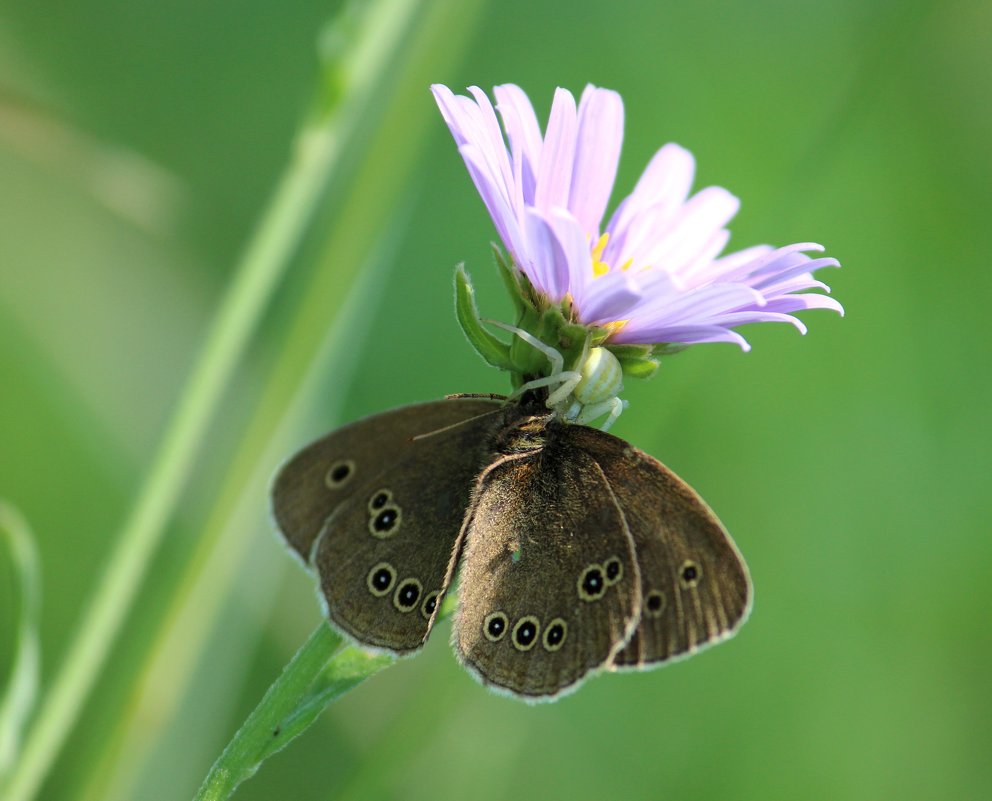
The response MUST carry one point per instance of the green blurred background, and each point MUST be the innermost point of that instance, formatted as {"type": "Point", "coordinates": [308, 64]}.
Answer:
{"type": "Point", "coordinates": [139, 144]}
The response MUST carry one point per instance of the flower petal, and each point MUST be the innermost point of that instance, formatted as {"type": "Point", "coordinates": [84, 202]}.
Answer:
{"type": "Point", "coordinates": [701, 305]}
{"type": "Point", "coordinates": [792, 270]}
{"type": "Point", "coordinates": [684, 334]}
{"type": "Point", "coordinates": [690, 230]}
{"type": "Point", "coordinates": [700, 308]}
{"type": "Point", "coordinates": [546, 263]}
{"type": "Point", "coordinates": [597, 154]}
{"type": "Point", "coordinates": [791, 303]}
{"type": "Point", "coordinates": [739, 268]}
{"type": "Point", "coordinates": [524, 134]}
{"type": "Point", "coordinates": [476, 125]}
{"type": "Point", "coordinates": [608, 298]}
{"type": "Point", "coordinates": [665, 183]}
{"type": "Point", "coordinates": [554, 173]}
{"type": "Point", "coordinates": [497, 203]}
{"type": "Point", "coordinates": [575, 245]}
{"type": "Point", "coordinates": [743, 318]}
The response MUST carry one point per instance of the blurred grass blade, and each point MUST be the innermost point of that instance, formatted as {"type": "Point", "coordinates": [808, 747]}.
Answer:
{"type": "Point", "coordinates": [316, 676]}
{"type": "Point", "coordinates": [17, 700]}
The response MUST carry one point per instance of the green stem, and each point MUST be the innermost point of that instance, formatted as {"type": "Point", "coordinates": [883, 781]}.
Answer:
{"type": "Point", "coordinates": [317, 675]}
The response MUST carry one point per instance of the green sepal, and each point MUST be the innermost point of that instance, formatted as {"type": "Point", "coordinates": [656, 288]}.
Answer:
{"type": "Point", "coordinates": [639, 367]}
{"type": "Point", "coordinates": [525, 358]}
{"type": "Point", "coordinates": [573, 340]}
{"type": "Point", "coordinates": [512, 281]}
{"type": "Point", "coordinates": [486, 345]}
{"type": "Point", "coordinates": [636, 361]}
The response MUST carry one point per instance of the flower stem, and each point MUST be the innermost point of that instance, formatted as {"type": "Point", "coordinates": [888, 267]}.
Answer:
{"type": "Point", "coordinates": [320, 672]}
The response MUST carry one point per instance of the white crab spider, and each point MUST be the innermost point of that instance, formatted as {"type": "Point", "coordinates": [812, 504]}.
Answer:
{"type": "Point", "coordinates": [582, 395]}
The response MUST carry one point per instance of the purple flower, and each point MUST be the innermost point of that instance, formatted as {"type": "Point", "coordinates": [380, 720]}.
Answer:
{"type": "Point", "coordinates": [653, 273]}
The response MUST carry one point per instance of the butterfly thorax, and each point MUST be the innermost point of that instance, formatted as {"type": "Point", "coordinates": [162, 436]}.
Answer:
{"type": "Point", "coordinates": [524, 434]}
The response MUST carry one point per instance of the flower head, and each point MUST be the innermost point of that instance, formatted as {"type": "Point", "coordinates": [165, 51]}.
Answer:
{"type": "Point", "coordinates": [653, 273]}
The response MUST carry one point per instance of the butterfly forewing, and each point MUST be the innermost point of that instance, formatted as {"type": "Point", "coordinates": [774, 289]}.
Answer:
{"type": "Point", "coordinates": [386, 533]}
{"type": "Point", "coordinates": [549, 585]}
{"type": "Point", "coordinates": [319, 477]}
{"type": "Point", "coordinates": [694, 584]}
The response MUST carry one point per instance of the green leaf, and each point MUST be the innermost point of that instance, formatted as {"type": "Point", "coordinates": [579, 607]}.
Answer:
{"type": "Point", "coordinates": [17, 700]}
{"type": "Point", "coordinates": [486, 345]}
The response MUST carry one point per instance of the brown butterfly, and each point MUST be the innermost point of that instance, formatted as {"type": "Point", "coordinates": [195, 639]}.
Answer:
{"type": "Point", "coordinates": [576, 550]}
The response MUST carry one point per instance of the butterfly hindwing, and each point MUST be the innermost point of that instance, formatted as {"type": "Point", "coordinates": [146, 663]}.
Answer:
{"type": "Point", "coordinates": [382, 537]}
{"type": "Point", "coordinates": [549, 586]}
{"type": "Point", "coordinates": [694, 583]}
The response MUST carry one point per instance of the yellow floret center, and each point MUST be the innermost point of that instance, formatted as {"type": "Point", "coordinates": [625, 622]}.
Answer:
{"type": "Point", "coordinates": [600, 267]}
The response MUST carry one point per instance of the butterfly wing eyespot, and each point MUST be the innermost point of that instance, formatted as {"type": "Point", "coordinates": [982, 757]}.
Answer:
{"type": "Point", "coordinates": [690, 574]}
{"type": "Point", "coordinates": [525, 632]}
{"type": "Point", "coordinates": [381, 579]}
{"type": "Point", "coordinates": [494, 626]}
{"type": "Point", "coordinates": [613, 570]}
{"type": "Point", "coordinates": [379, 499]}
{"type": "Point", "coordinates": [339, 474]}
{"type": "Point", "coordinates": [409, 479]}
{"type": "Point", "coordinates": [696, 589]}
{"type": "Point", "coordinates": [385, 522]}
{"type": "Point", "coordinates": [554, 635]}
{"type": "Point", "coordinates": [407, 595]}
{"type": "Point", "coordinates": [654, 603]}
{"type": "Point", "coordinates": [430, 604]}
{"type": "Point", "coordinates": [540, 578]}
{"type": "Point", "coordinates": [592, 583]}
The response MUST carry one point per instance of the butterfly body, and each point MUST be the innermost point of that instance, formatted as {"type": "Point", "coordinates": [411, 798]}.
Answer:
{"type": "Point", "coordinates": [576, 550]}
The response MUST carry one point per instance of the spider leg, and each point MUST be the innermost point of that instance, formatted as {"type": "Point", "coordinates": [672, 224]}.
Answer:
{"type": "Point", "coordinates": [546, 381]}
{"type": "Point", "coordinates": [570, 382]}
{"type": "Point", "coordinates": [556, 360]}
{"type": "Point", "coordinates": [589, 413]}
